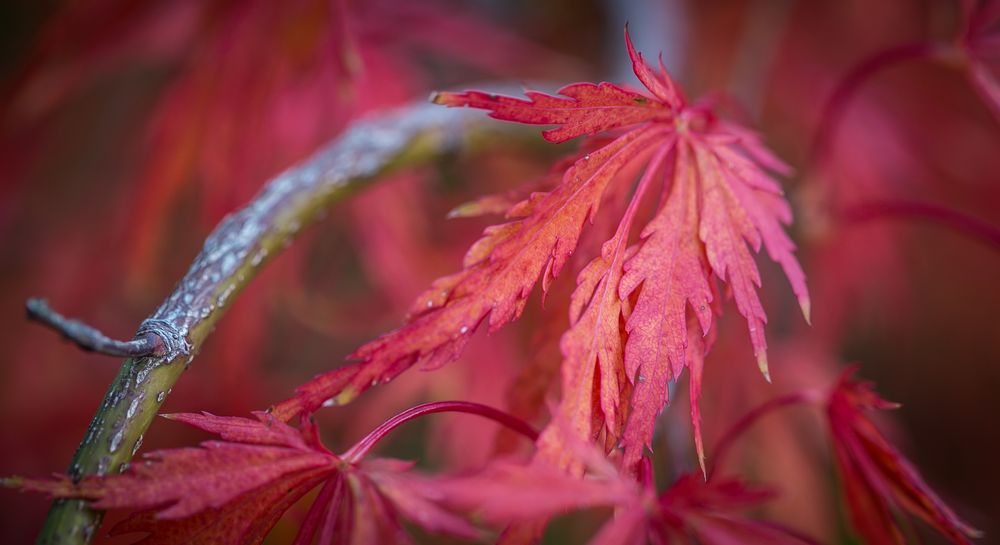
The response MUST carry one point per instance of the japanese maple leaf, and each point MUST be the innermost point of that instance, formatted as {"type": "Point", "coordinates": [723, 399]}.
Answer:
{"type": "Point", "coordinates": [233, 490]}
{"type": "Point", "coordinates": [876, 478]}
{"type": "Point", "coordinates": [717, 202]}
{"type": "Point", "coordinates": [716, 198]}
{"type": "Point", "coordinates": [708, 511]}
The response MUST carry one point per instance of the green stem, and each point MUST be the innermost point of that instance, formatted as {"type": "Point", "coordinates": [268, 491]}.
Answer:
{"type": "Point", "coordinates": [232, 256]}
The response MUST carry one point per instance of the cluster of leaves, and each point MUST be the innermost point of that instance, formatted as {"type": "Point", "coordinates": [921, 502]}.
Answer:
{"type": "Point", "coordinates": [631, 331]}
{"type": "Point", "coordinates": [643, 310]}
{"type": "Point", "coordinates": [233, 490]}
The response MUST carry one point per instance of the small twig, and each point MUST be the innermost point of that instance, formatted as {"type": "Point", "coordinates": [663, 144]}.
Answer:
{"type": "Point", "coordinates": [89, 338]}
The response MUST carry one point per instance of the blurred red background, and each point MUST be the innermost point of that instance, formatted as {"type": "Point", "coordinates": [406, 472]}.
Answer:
{"type": "Point", "coordinates": [129, 129]}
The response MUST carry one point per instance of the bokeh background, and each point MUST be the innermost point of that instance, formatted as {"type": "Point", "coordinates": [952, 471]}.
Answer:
{"type": "Point", "coordinates": [129, 129]}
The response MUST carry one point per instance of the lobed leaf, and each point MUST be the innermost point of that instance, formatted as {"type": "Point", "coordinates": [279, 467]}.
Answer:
{"type": "Point", "coordinates": [876, 478]}
{"type": "Point", "coordinates": [630, 329]}
{"type": "Point", "coordinates": [233, 492]}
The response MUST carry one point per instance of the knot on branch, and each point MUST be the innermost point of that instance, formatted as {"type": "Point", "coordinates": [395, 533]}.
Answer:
{"type": "Point", "coordinates": [157, 339]}
{"type": "Point", "coordinates": [172, 340]}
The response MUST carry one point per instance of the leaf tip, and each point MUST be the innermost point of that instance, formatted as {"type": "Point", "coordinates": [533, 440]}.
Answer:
{"type": "Point", "coordinates": [632, 53]}
{"type": "Point", "coordinates": [12, 482]}
{"type": "Point", "coordinates": [806, 305]}
{"type": "Point", "coordinates": [464, 210]}
{"type": "Point", "coordinates": [346, 396]}
{"type": "Point", "coordinates": [762, 365]}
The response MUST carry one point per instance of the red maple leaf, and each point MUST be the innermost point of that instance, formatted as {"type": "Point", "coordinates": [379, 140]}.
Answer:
{"type": "Point", "coordinates": [717, 201]}
{"type": "Point", "coordinates": [876, 478]}
{"type": "Point", "coordinates": [709, 511]}
{"type": "Point", "coordinates": [233, 490]}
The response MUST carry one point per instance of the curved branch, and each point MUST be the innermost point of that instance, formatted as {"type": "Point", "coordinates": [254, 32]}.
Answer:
{"type": "Point", "coordinates": [232, 255]}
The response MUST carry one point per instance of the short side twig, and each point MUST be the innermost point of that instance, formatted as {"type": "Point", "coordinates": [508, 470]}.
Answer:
{"type": "Point", "coordinates": [89, 338]}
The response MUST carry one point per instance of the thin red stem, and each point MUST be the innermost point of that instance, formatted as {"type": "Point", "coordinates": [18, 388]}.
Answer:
{"type": "Point", "coordinates": [751, 418]}
{"type": "Point", "coordinates": [948, 217]}
{"type": "Point", "coordinates": [359, 450]}
{"type": "Point", "coordinates": [852, 82]}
